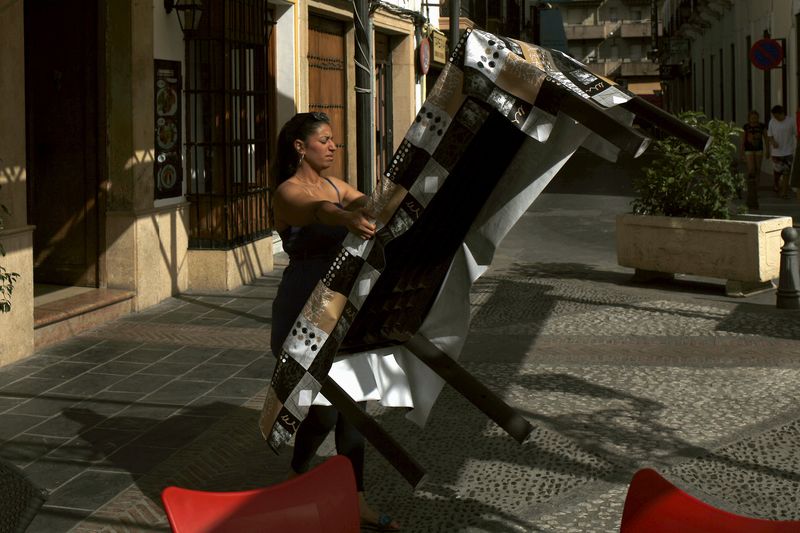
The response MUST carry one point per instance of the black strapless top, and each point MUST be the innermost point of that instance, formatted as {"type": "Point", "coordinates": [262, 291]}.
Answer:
{"type": "Point", "coordinates": [315, 241]}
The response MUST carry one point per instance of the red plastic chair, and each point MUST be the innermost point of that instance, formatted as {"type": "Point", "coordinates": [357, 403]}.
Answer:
{"type": "Point", "coordinates": [323, 500]}
{"type": "Point", "coordinates": [654, 505]}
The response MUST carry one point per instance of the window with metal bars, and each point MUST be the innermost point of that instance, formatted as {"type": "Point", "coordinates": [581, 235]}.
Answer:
{"type": "Point", "coordinates": [228, 96]}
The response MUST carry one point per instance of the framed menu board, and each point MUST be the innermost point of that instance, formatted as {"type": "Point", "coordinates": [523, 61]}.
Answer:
{"type": "Point", "coordinates": [167, 165]}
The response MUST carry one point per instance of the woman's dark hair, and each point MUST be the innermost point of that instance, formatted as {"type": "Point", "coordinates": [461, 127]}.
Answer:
{"type": "Point", "coordinates": [301, 126]}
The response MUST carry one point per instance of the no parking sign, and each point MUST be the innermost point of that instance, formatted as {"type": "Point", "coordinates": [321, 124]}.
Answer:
{"type": "Point", "coordinates": [766, 54]}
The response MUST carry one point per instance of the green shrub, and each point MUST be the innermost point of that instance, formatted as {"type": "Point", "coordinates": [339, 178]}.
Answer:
{"type": "Point", "coordinates": [683, 182]}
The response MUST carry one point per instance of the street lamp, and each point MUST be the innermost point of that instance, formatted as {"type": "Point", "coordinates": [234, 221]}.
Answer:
{"type": "Point", "coordinates": [189, 12]}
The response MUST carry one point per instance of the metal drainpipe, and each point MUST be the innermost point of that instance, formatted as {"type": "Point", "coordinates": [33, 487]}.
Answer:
{"type": "Point", "coordinates": [455, 15]}
{"type": "Point", "coordinates": [365, 129]}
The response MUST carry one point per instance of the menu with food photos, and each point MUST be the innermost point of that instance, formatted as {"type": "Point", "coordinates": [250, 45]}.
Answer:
{"type": "Point", "coordinates": [167, 167]}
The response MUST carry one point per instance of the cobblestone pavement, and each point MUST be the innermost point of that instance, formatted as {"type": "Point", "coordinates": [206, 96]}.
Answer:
{"type": "Point", "coordinates": [613, 375]}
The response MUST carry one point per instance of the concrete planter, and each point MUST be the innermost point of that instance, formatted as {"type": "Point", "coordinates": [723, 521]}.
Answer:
{"type": "Point", "coordinates": [744, 250]}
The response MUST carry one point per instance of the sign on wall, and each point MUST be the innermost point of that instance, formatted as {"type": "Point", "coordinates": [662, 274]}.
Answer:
{"type": "Point", "coordinates": [766, 54]}
{"type": "Point", "coordinates": [167, 167]}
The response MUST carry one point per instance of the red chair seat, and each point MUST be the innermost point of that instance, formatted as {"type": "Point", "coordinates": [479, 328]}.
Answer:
{"type": "Point", "coordinates": [654, 505]}
{"type": "Point", "coordinates": [323, 499]}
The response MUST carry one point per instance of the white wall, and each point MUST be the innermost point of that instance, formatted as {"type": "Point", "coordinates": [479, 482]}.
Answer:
{"type": "Point", "coordinates": [285, 65]}
{"type": "Point", "coordinates": [746, 17]}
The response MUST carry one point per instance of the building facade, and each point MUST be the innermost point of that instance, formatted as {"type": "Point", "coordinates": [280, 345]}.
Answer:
{"type": "Point", "coordinates": [136, 140]}
{"type": "Point", "coordinates": [614, 38]}
{"type": "Point", "coordinates": [707, 65]}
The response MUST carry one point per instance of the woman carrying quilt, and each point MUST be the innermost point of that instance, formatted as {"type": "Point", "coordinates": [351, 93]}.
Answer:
{"type": "Point", "coordinates": [313, 214]}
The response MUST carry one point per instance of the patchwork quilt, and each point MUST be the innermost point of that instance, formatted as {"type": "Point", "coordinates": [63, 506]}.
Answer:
{"type": "Point", "coordinates": [500, 122]}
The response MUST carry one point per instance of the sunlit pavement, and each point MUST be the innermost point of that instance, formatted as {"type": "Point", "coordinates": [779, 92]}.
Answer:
{"type": "Point", "coordinates": [613, 375]}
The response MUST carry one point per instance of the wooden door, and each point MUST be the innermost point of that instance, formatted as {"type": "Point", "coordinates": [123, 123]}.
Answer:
{"type": "Point", "coordinates": [62, 131]}
{"type": "Point", "coordinates": [327, 82]}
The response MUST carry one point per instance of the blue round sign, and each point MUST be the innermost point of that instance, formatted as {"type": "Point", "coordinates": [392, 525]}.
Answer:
{"type": "Point", "coordinates": [766, 54]}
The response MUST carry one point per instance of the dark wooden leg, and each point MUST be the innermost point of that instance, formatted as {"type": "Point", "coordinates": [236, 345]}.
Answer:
{"type": "Point", "coordinates": [469, 387]}
{"type": "Point", "coordinates": [374, 433]}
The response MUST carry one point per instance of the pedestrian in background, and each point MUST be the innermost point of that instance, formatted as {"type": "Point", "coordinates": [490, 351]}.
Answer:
{"type": "Point", "coordinates": [781, 133]}
{"type": "Point", "coordinates": [754, 140]}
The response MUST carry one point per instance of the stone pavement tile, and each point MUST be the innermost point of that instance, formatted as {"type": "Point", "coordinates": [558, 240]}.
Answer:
{"type": "Point", "coordinates": [11, 373]}
{"type": "Point", "coordinates": [141, 316]}
{"type": "Point", "coordinates": [235, 356]}
{"type": "Point", "coordinates": [25, 449]}
{"type": "Point", "coordinates": [139, 416]}
{"type": "Point", "coordinates": [120, 368]}
{"type": "Point", "coordinates": [230, 455]}
{"type": "Point", "coordinates": [12, 425]}
{"type": "Point", "coordinates": [212, 406]}
{"type": "Point", "coordinates": [69, 347]}
{"type": "Point", "coordinates": [63, 370]}
{"type": "Point", "coordinates": [137, 460]}
{"type": "Point", "coordinates": [120, 346]}
{"type": "Point", "coordinates": [97, 354]}
{"type": "Point", "coordinates": [87, 385]}
{"type": "Point", "coordinates": [66, 423]}
{"type": "Point", "coordinates": [192, 354]}
{"type": "Point", "coordinates": [240, 387]}
{"type": "Point", "coordinates": [109, 403]}
{"type": "Point", "coordinates": [42, 361]}
{"type": "Point", "coordinates": [174, 432]}
{"type": "Point", "coordinates": [50, 473]}
{"type": "Point", "coordinates": [145, 383]}
{"type": "Point", "coordinates": [596, 508]}
{"type": "Point", "coordinates": [90, 489]}
{"type": "Point", "coordinates": [8, 402]}
{"type": "Point", "coordinates": [210, 321]}
{"type": "Point", "coordinates": [46, 405]}
{"type": "Point", "coordinates": [179, 392]}
{"type": "Point", "coordinates": [52, 519]}
{"type": "Point", "coordinates": [164, 368]}
{"type": "Point", "coordinates": [136, 514]}
{"type": "Point", "coordinates": [261, 368]}
{"type": "Point", "coordinates": [176, 318]}
{"type": "Point", "coordinates": [92, 447]}
{"type": "Point", "coordinates": [249, 322]}
{"type": "Point", "coordinates": [758, 475]}
{"type": "Point", "coordinates": [146, 354]}
{"type": "Point", "coordinates": [211, 372]}
{"type": "Point", "coordinates": [104, 351]}
{"type": "Point", "coordinates": [30, 387]}
{"type": "Point", "coordinates": [225, 313]}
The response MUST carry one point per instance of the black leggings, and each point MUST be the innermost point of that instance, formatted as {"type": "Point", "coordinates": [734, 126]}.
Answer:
{"type": "Point", "coordinates": [312, 432]}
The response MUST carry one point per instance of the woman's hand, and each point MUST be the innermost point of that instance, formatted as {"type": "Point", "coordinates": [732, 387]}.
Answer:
{"type": "Point", "coordinates": [359, 223]}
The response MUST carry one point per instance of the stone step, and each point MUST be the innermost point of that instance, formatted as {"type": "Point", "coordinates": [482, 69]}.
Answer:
{"type": "Point", "coordinates": [64, 318]}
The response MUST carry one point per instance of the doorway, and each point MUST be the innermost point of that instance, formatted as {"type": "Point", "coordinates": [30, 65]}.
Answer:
{"type": "Point", "coordinates": [63, 135]}
{"type": "Point", "coordinates": [327, 80]}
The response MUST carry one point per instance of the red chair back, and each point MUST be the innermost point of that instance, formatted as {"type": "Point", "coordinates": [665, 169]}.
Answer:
{"type": "Point", "coordinates": [654, 505]}
{"type": "Point", "coordinates": [323, 500]}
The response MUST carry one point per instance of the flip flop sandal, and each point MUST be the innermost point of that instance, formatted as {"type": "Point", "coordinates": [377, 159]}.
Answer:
{"type": "Point", "coordinates": [383, 524]}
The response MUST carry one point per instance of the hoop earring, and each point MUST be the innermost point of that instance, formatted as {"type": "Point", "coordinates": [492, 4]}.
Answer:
{"type": "Point", "coordinates": [300, 161]}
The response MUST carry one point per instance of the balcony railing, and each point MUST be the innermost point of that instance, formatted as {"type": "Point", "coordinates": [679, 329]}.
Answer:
{"type": "Point", "coordinates": [590, 31]}
{"type": "Point", "coordinates": [612, 67]}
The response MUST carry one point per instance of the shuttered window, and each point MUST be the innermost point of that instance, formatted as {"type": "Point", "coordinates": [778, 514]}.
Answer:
{"type": "Point", "coordinates": [227, 141]}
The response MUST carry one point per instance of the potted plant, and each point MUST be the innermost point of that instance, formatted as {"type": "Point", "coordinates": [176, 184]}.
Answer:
{"type": "Point", "coordinates": [682, 220]}
{"type": "Point", "coordinates": [7, 279]}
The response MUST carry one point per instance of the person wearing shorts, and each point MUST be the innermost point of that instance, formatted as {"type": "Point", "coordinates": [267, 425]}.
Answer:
{"type": "Point", "coordinates": [781, 133]}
